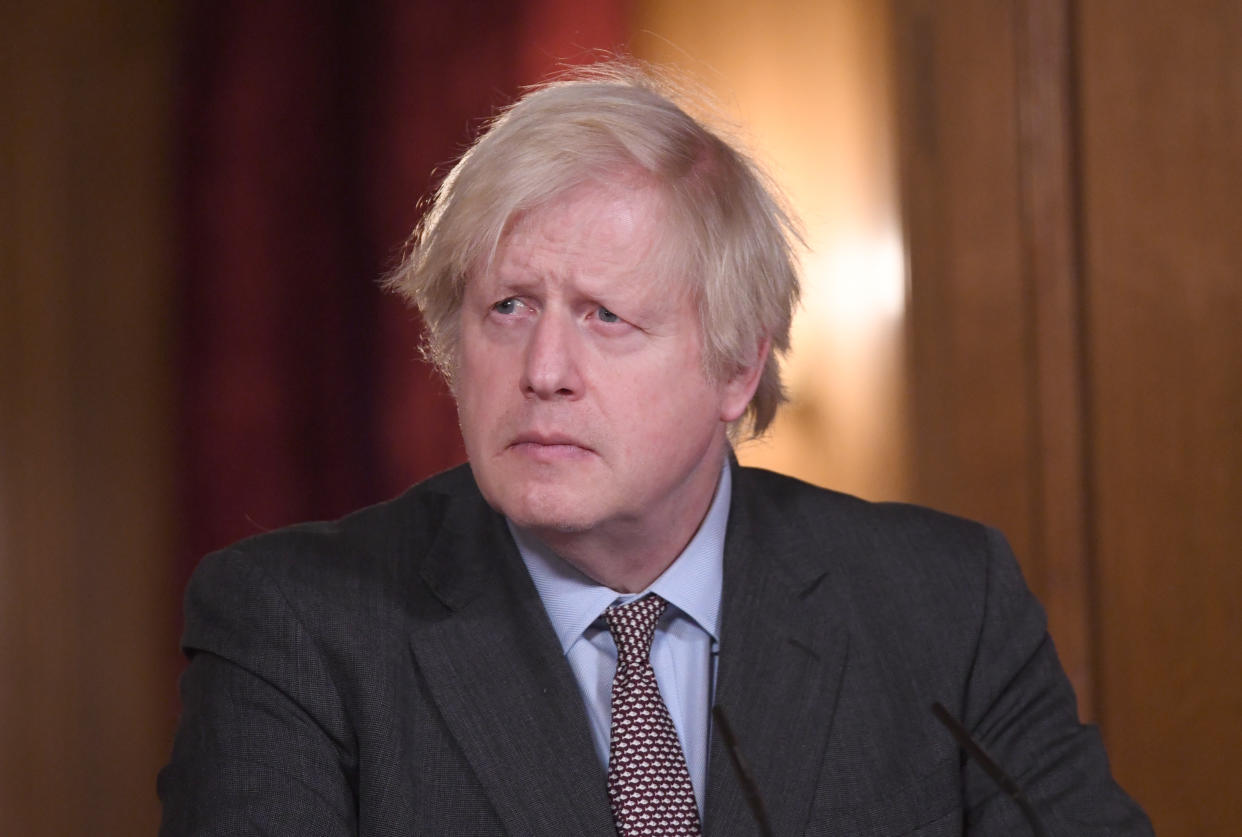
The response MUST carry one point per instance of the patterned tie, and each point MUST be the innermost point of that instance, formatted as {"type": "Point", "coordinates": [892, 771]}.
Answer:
{"type": "Point", "coordinates": [648, 782]}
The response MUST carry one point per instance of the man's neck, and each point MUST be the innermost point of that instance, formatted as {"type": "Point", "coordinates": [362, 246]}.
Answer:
{"type": "Point", "coordinates": [625, 564]}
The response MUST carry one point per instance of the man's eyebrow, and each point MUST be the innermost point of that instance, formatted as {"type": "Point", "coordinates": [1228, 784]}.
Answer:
{"type": "Point", "coordinates": [498, 279]}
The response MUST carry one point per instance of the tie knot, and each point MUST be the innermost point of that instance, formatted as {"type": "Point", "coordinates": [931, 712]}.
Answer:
{"type": "Point", "coordinates": [633, 627]}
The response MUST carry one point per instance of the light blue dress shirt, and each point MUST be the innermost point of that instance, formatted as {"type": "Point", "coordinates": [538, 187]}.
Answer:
{"type": "Point", "coordinates": [684, 650]}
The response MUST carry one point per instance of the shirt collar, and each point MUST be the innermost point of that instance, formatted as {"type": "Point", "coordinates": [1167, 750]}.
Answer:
{"type": "Point", "coordinates": [692, 583]}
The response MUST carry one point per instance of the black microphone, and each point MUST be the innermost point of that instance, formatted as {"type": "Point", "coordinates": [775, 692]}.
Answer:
{"type": "Point", "coordinates": [750, 790]}
{"type": "Point", "coordinates": [990, 767]}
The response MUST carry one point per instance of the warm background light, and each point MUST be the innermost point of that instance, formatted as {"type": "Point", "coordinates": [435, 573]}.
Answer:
{"type": "Point", "coordinates": [809, 83]}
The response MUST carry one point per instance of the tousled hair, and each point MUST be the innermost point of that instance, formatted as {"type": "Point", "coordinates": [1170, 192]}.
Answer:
{"type": "Point", "coordinates": [608, 123]}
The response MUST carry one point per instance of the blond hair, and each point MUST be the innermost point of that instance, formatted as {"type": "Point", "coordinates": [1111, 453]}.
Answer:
{"type": "Point", "coordinates": [602, 124]}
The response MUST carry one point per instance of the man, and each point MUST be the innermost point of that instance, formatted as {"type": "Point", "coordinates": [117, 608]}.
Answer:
{"type": "Point", "coordinates": [531, 644]}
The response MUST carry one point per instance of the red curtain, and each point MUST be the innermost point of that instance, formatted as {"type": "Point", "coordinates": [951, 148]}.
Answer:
{"type": "Point", "coordinates": [310, 130]}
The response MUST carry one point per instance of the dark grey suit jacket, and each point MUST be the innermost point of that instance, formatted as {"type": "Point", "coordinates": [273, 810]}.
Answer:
{"type": "Point", "coordinates": [394, 673]}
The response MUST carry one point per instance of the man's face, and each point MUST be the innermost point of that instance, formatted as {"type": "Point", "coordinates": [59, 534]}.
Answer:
{"type": "Point", "coordinates": [580, 386]}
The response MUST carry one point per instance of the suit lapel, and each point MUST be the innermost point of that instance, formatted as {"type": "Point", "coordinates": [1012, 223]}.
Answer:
{"type": "Point", "coordinates": [497, 674]}
{"type": "Point", "coordinates": [783, 653]}
{"type": "Point", "coordinates": [499, 678]}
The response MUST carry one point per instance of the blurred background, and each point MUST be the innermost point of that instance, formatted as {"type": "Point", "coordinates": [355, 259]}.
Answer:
{"type": "Point", "coordinates": [1023, 304]}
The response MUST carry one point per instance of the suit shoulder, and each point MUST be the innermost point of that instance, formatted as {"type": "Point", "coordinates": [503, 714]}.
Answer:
{"type": "Point", "coordinates": [380, 539]}
{"type": "Point", "coordinates": [859, 519]}
{"type": "Point", "coordinates": [935, 574]}
{"type": "Point", "coordinates": [913, 552]}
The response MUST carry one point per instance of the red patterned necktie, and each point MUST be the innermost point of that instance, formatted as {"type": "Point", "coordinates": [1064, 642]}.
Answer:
{"type": "Point", "coordinates": [648, 782]}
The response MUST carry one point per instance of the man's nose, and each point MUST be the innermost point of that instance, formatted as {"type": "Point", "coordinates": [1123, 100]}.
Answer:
{"type": "Point", "coordinates": [551, 367]}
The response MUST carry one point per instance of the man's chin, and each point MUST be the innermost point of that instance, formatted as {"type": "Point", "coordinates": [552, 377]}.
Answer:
{"type": "Point", "coordinates": [549, 521]}
{"type": "Point", "coordinates": [548, 529]}
{"type": "Point", "coordinates": [551, 512]}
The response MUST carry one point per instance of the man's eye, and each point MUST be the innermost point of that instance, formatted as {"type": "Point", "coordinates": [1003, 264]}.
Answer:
{"type": "Point", "coordinates": [606, 316]}
{"type": "Point", "coordinates": [506, 306]}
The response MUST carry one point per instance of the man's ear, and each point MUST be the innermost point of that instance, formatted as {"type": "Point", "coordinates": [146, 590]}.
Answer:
{"type": "Point", "coordinates": [737, 391]}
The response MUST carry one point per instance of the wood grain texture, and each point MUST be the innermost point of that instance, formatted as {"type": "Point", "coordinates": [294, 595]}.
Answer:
{"type": "Point", "coordinates": [1161, 175]}
{"type": "Point", "coordinates": [1050, 256]}
{"type": "Point", "coordinates": [1121, 282]}
{"type": "Point", "coordinates": [86, 600]}
{"type": "Point", "coordinates": [994, 341]}
{"type": "Point", "coordinates": [969, 340]}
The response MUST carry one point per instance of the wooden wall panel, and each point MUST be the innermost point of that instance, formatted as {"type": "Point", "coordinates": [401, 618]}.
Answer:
{"type": "Point", "coordinates": [1106, 136]}
{"type": "Point", "coordinates": [969, 339]}
{"type": "Point", "coordinates": [1060, 569]}
{"type": "Point", "coordinates": [1161, 104]}
{"type": "Point", "coordinates": [995, 364]}
{"type": "Point", "coordinates": [86, 597]}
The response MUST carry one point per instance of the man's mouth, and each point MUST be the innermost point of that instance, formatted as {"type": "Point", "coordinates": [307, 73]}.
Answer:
{"type": "Point", "coordinates": [549, 446]}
